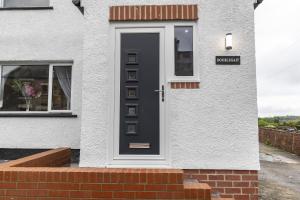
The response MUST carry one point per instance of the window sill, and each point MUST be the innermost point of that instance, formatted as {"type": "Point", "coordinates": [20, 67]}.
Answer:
{"type": "Point", "coordinates": [36, 115]}
{"type": "Point", "coordinates": [28, 8]}
{"type": "Point", "coordinates": [184, 80]}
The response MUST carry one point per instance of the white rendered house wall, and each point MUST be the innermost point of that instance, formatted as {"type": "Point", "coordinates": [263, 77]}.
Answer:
{"type": "Point", "coordinates": [35, 35]}
{"type": "Point", "coordinates": [214, 127]}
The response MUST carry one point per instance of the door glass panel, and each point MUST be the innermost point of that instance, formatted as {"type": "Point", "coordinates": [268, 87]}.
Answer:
{"type": "Point", "coordinates": [131, 128]}
{"type": "Point", "coordinates": [132, 58]}
{"type": "Point", "coordinates": [132, 75]}
{"type": "Point", "coordinates": [132, 92]}
{"type": "Point", "coordinates": [132, 110]}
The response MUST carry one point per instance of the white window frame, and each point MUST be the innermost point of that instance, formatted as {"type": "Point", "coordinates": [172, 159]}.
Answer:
{"type": "Point", "coordinates": [50, 88]}
{"type": "Point", "coordinates": [196, 71]}
{"type": "Point", "coordinates": [1, 95]}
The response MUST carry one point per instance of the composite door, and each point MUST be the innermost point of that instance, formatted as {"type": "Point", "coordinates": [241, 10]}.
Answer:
{"type": "Point", "coordinates": [139, 95]}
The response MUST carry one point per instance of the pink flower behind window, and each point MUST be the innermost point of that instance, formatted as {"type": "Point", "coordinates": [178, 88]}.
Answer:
{"type": "Point", "coordinates": [29, 90]}
{"type": "Point", "coordinates": [32, 89]}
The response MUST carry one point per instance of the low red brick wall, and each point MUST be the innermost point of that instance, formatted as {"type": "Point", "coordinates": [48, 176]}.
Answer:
{"type": "Point", "coordinates": [237, 184]}
{"type": "Point", "coordinates": [288, 141]}
{"type": "Point", "coordinates": [29, 178]}
{"type": "Point", "coordinates": [86, 183]}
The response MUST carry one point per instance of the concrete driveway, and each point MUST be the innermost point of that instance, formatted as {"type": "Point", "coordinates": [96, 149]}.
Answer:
{"type": "Point", "coordinates": [279, 175]}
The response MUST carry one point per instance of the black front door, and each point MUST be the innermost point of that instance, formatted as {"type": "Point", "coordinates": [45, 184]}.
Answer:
{"type": "Point", "coordinates": [139, 100]}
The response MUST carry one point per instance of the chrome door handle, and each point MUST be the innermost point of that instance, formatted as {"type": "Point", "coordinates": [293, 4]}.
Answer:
{"type": "Point", "coordinates": [162, 91]}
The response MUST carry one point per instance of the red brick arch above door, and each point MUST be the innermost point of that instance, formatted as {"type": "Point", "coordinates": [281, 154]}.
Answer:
{"type": "Point", "coordinates": [153, 13]}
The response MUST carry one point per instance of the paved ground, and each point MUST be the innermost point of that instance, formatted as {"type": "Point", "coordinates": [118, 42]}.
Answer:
{"type": "Point", "coordinates": [279, 175]}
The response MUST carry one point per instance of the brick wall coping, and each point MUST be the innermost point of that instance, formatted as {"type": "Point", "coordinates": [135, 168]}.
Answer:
{"type": "Point", "coordinates": [89, 170]}
{"type": "Point", "coordinates": [52, 158]}
{"type": "Point", "coordinates": [220, 171]}
{"type": "Point", "coordinates": [125, 170]}
{"type": "Point", "coordinates": [280, 130]}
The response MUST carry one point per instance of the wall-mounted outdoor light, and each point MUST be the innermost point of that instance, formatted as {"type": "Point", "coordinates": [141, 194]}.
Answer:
{"type": "Point", "coordinates": [228, 41]}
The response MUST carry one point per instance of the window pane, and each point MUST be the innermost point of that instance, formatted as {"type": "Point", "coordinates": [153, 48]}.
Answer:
{"type": "Point", "coordinates": [61, 88]}
{"type": "Point", "coordinates": [26, 3]}
{"type": "Point", "coordinates": [24, 88]}
{"type": "Point", "coordinates": [184, 51]}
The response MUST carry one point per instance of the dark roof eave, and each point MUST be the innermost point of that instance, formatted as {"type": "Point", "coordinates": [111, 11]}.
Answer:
{"type": "Point", "coordinates": [257, 4]}
{"type": "Point", "coordinates": [77, 3]}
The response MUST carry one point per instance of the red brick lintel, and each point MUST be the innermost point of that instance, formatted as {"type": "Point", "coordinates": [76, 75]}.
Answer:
{"type": "Point", "coordinates": [153, 12]}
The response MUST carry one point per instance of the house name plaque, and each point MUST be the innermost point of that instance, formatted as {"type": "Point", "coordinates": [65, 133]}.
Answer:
{"type": "Point", "coordinates": [228, 60]}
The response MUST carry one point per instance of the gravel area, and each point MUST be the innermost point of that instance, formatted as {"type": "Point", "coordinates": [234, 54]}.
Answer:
{"type": "Point", "coordinates": [279, 175]}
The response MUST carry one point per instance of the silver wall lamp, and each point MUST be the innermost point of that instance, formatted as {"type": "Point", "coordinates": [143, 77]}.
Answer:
{"type": "Point", "coordinates": [228, 41]}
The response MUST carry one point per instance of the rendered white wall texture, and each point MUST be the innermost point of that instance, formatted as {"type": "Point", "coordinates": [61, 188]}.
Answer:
{"type": "Point", "coordinates": [43, 35]}
{"type": "Point", "coordinates": [214, 127]}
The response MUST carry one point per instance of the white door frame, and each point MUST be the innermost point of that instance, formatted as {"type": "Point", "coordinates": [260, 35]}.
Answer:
{"type": "Point", "coordinates": [137, 160]}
